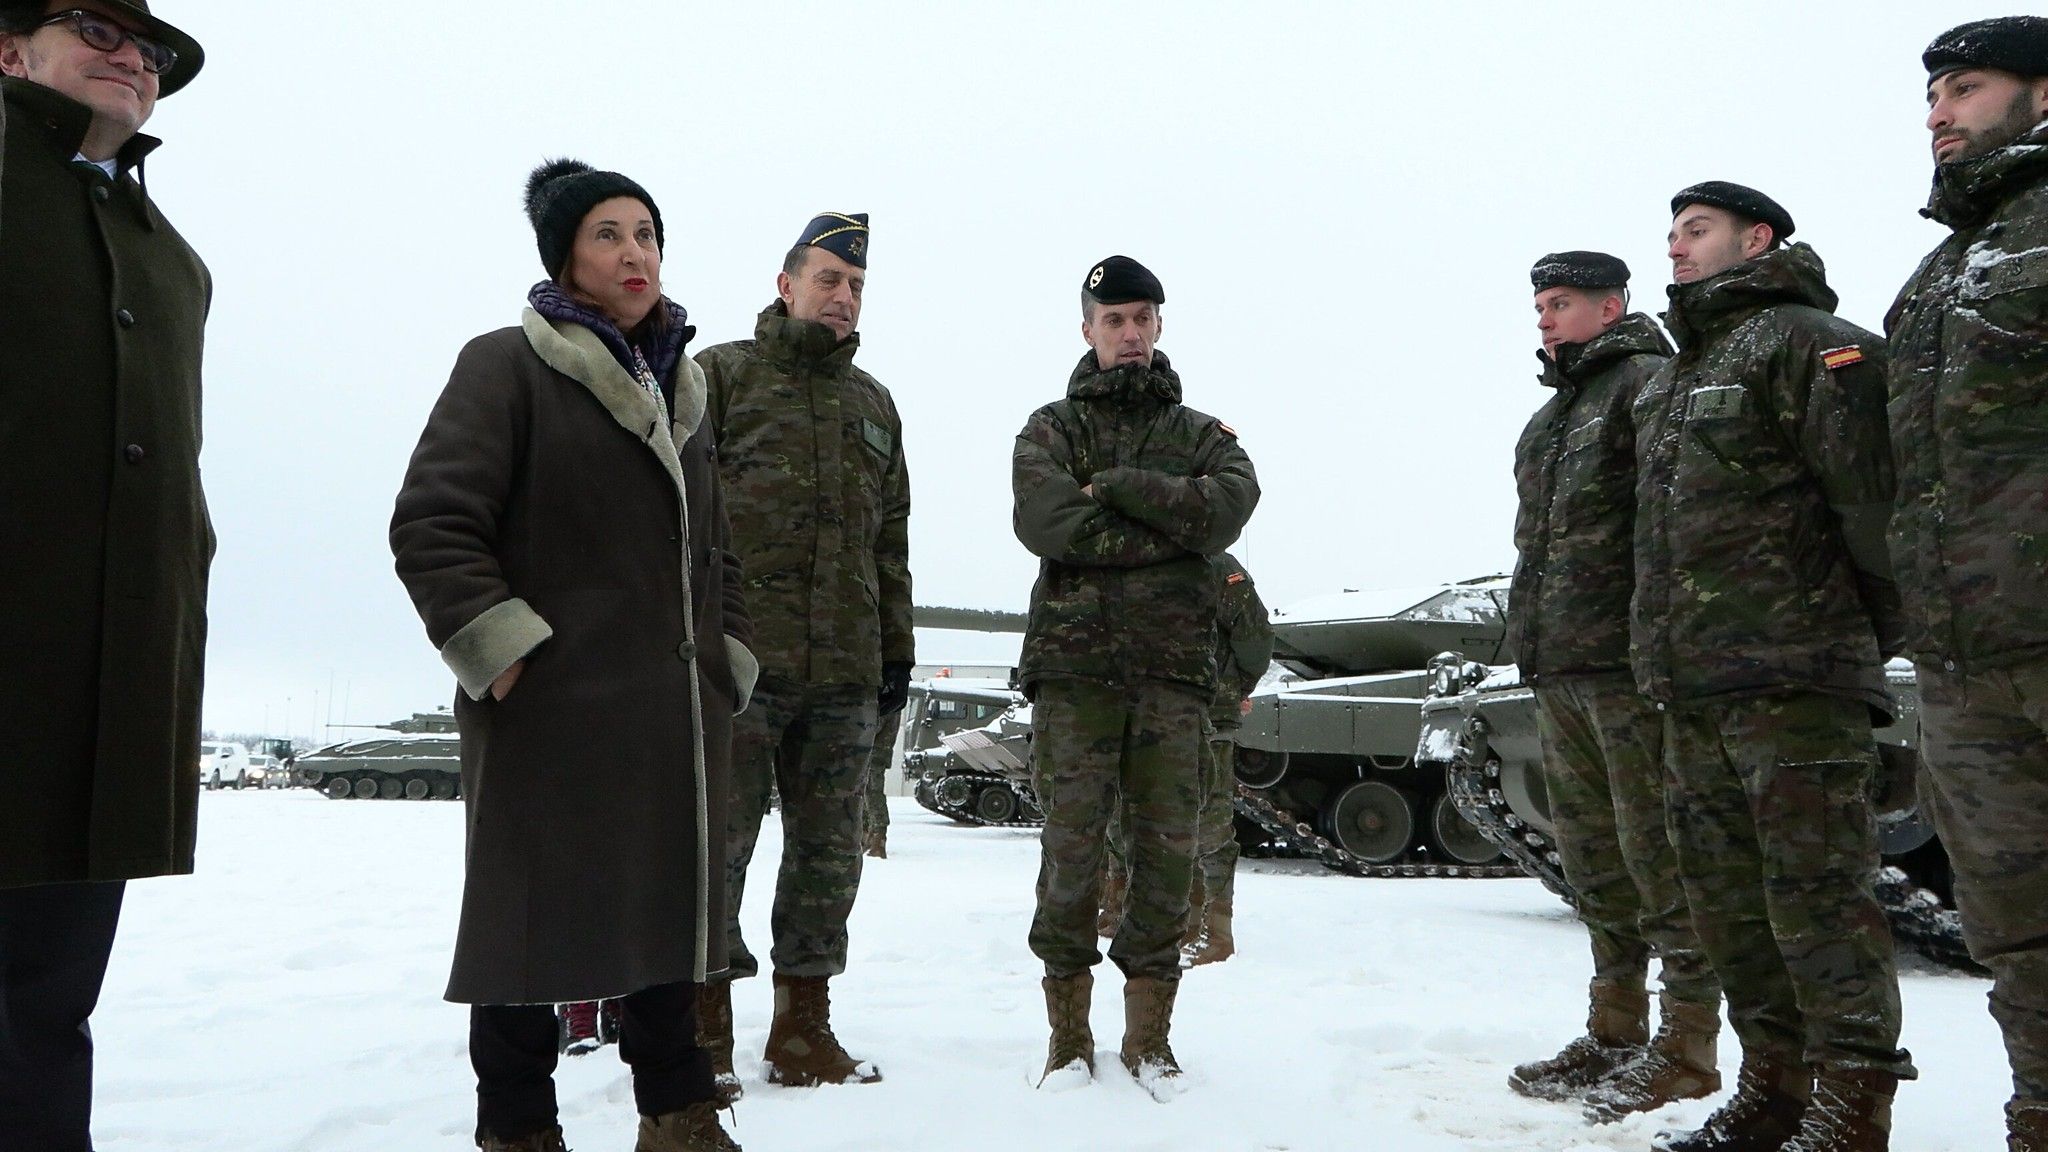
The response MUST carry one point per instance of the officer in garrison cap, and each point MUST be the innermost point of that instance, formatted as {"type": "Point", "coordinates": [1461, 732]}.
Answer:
{"type": "Point", "coordinates": [811, 452]}
{"type": "Point", "coordinates": [1763, 613]}
{"type": "Point", "coordinates": [1575, 472]}
{"type": "Point", "coordinates": [1124, 494]}
{"type": "Point", "coordinates": [1969, 368]}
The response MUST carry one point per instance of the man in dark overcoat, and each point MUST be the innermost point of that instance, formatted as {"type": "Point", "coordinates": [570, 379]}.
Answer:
{"type": "Point", "coordinates": [107, 541]}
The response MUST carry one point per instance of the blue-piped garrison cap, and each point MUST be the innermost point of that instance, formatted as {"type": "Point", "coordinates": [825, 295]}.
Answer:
{"type": "Point", "coordinates": [844, 234]}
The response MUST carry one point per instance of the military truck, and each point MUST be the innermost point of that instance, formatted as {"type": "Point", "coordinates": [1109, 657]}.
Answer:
{"type": "Point", "coordinates": [416, 758]}
{"type": "Point", "coordinates": [1331, 740]}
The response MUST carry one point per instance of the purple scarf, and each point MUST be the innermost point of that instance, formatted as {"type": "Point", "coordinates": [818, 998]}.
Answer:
{"type": "Point", "coordinates": [662, 356]}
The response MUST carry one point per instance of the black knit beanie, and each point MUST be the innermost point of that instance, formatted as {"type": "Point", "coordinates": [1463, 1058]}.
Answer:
{"type": "Point", "coordinates": [560, 193]}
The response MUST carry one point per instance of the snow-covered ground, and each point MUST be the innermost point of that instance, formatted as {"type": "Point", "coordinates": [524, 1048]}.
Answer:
{"type": "Point", "coordinates": [288, 997]}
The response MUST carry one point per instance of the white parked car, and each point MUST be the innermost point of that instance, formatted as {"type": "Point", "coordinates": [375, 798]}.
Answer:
{"type": "Point", "coordinates": [224, 764]}
{"type": "Point", "coordinates": [265, 771]}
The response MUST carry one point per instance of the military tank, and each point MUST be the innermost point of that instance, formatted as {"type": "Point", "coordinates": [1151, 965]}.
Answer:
{"type": "Point", "coordinates": [417, 758]}
{"type": "Point", "coordinates": [1329, 744]}
{"type": "Point", "coordinates": [1479, 731]}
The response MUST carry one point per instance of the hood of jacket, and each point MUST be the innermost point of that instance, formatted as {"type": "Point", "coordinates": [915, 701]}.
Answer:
{"type": "Point", "coordinates": [1633, 335]}
{"type": "Point", "coordinates": [1124, 383]}
{"type": "Point", "coordinates": [1793, 274]}
{"type": "Point", "coordinates": [1969, 192]}
{"type": "Point", "coordinates": [801, 345]}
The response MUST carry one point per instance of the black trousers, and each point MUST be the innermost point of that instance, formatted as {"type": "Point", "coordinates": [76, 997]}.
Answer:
{"type": "Point", "coordinates": [54, 943]}
{"type": "Point", "coordinates": [512, 1047]}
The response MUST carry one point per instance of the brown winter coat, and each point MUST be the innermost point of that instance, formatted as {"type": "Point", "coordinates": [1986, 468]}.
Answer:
{"type": "Point", "coordinates": [104, 537]}
{"type": "Point", "coordinates": [544, 516]}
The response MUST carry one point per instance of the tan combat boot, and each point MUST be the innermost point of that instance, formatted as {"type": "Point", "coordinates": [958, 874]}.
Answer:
{"type": "Point", "coordinates": [802, 1050]}
{"type": "Point", "coordinates": [1217, 943]}
{"type": "Point", "coordinates": [1617, 1027]}
{"type": "Point", "coordinates": [1066, 1008]}
{"type": "Point", "coordinates": [1148, 1017]}
{"type": "Point", "coordinates": [714, 1035]}
{"type": "Point", "coordinates": [1681, 1063]}
{"type": "Point", "coordinates": [876, 843]}
{"type": "Point", "coordinates": [1112, 914]}
{"type": "Point", "coordinates": [1851, 1112]}
{"type": "Point", "coordinates": [547, 1141]}
{"type": "Point", "coordinates": [694, 1129]}
{"type": "Point", "coordinates": [2026, 1126]}
{"type": "Point", "coordinates": [1770, 1098]}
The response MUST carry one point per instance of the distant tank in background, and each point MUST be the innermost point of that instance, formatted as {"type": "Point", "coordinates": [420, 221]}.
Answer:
{"type": "Point", "coordinates": [417, 758]}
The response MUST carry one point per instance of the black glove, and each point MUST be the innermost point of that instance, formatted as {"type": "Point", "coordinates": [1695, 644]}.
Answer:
{"type": "Point", "coordinates": [895, 687]}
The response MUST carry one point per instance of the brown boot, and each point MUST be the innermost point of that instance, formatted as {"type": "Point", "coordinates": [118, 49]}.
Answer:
{"type": "Point", "coordinates": [714, 1035]}
{"type": "Point", "coordinates": [1617, 1027]}
{"type": "Point", "coordinates": [1770, 1098]}
{"type": "Point", "coordinates": [876, 843]}
{"type": "Point", "coordinates": [1112, 913]}
{"type": "Point", "coordinates": [2026, 1126]}
{"type": "Point", "coordinates": [1851, 1112]}
{"type": "Point", "coordinates": [1680, 1064]}
{"type": "Point", "coordinates": [1066, 1008]}
{"type": "Point", "coordinates": [694, 1129]}
{"type": "Point", "coordinates": [547, 1141]}
{"type": "Point", "coordinates": [1148, 1017]}
{"type": "Point", "coordinates": [802, 1050]}
{"type": "Point", "coordinates": [1217, 943]}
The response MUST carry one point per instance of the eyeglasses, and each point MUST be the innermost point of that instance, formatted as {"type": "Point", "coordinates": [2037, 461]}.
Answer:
{"type": "Point", "coordinates": [104, 35]}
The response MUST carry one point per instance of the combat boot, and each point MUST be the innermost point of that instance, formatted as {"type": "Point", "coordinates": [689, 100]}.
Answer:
{"type": "Point", "coordinates": [1217, 943]}
{"type": "Point", "coordinates": [694, 1129]}
{"type": "Point", "coordinates": [714, 1035]}
{"type": "Point", "coordinates": [1617, 1027]}
{"type": "Point", "coordinates": [1112, 913]}
{"type": "Point", "coordinates": [1681, 1063]}
{"type": "Point", "coordinates": [876, 843]}
{"type": "Point", "coordinates": [1770, 1098]}
{"type": "Point", "coordinates": [1851, 1112]}
{"type": "Point", "coordinates": [802, 1050]}
{"type": "Point", "coordinates": [1148, 1017]}
{"type": "Point", "coordinates": [549, 1140]}
{"type": "Point", "coordinates": [2026, 1126]}
{"type": "Point", "coordinates": [1066, 1008]}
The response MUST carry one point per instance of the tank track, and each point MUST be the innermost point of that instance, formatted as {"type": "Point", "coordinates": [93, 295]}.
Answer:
{"type": "Point", "coordinates": [1028, 813]}
{"type": "Point", "coordinates": [373, 784]}
{"type": "Point", "coordinates": [1304, 840]}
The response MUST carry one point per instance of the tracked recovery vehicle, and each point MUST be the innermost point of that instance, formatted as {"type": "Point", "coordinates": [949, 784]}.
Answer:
{"type": "Point", "coordinates": [1479, 731]}
{"type": "Point", "coordinates": [417, 758]}
{"type": "Point", "coordinates": [976, 772]}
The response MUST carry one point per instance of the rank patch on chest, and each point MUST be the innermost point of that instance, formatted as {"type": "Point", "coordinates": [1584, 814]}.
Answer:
{"type": "Point", "coordinates": [1839, 358]}
{"type": "Point", "coordinates": [1715, 403]}
{"type": "Point", "coordinates": [875, 436]}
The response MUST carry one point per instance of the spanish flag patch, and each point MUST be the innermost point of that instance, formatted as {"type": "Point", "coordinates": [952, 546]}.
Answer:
{"type": "Point", "coordinates": [1235, 578]}
{"type": "Point", "coordinates": [1839, 358]}
{"type": "Point", "coordinates": [1227, 429]}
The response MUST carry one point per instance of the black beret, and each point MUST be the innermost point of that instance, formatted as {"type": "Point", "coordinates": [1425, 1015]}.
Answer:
{"type": "Point", "coordinates": [1578, 270]}
{"type": "Point", "coordinates": [2015, 44]}
{"type": "Point", "coordinates": [844, 234]}
{"type": "Point", "coordinates": [560, 193]}
{"type": "Point", "coordinates": [1120, 280]}
{"type": "Point", "coordinates": [1744, 202]}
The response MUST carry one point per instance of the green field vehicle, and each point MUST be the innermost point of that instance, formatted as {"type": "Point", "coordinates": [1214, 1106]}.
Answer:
{"type": "Point", "coordinates": [417, 758]}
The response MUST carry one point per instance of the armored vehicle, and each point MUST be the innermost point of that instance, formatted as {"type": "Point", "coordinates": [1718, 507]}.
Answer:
{"type": "Point", "coordinates": [969, 749]}
{"type": "Point", "coordinates": [1479, 730]}
{"type": "Point", "coordinates": [417, 758]}
{"type": "Point", "coordinates": [1331, 741]}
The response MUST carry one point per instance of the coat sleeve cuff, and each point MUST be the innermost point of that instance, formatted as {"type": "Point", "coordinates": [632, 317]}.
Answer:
{"type": "Point", "coordinates": [745, 670]}
{"type": "Point", "coordinates": [503, 635]}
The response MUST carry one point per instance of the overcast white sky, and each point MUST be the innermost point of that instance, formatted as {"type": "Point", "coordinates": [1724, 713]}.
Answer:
{"type": "Point", "coordinates": [1343, 201]}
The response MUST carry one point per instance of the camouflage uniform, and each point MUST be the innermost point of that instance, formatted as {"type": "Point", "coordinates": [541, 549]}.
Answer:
{"type": "Point", "coordinates": [1969, 346]}
{"type": "Point", "coordinates": [1762, 590]}
{"type": "Point", "coordinates": [1119, 652]}
{"type": "Point", "coordinates": [1602, 741]}
{"type": "Point", "coordinates": [875, 805]}
{"type": "Point", "coordinates": [810, 450]}
{"type": "Point", "coordinates": [1244, 648]}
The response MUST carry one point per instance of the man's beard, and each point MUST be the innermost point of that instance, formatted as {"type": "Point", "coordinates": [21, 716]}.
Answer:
{"type": "Point", "coordinates": [2020, 118]}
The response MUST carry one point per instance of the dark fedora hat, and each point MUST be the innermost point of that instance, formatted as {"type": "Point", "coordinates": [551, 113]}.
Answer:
{"type": "Point", "coordinates": [136, 17]}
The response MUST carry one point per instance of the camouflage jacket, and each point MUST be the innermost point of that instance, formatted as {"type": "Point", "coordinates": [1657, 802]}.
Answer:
{"type": "Point", "coordinates": [1575, 471]}
{"type": "Point", "coordinates": [1763, 483]}
{"type": "Point", "coordinates": [1969, 416]}
{"type": "Point", "coordinates": [1125, 591]}
{"type": "Point", "coordinates": [1244, 642]}
{"type": "Point", "coordinates": [811, 452]}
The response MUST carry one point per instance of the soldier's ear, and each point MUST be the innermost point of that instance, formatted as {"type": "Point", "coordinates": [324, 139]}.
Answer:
{"type": "Point", "coordinates": [2041, 99]}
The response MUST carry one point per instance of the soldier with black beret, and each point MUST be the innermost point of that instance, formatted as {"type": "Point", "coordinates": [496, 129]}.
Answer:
{"type": "Point", "coordinates": [1575, 473]}
{"type": "Point", "coordinates": [1125, 495]}
{"type": "Point", "coordinates": [1968, 373]}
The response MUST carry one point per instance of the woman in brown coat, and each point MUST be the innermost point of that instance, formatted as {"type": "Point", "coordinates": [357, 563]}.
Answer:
{"type": "Point", "coordinates": [562, 533]}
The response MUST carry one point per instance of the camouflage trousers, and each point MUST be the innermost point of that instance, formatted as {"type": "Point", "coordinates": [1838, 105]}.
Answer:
{"type": "Point", "coordinates": [875, 800]}
{"type": "Point", "coordinates": [1215, 833]}
{"type": "Point", "coordinates": [1777, 843]}
{"type": "Point", "coordinates": [1091, 744]}
{"type": "Point", "coordinates": [1984, 738]}
{"type": "Point", "coordinates": [813, 743]}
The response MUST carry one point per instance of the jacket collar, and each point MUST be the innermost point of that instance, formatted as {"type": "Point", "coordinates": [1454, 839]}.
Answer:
{"type": "Point", "coordinates": [1124, 383]}
{"type": "Point", "coordinates": [1708, 308]}
{"type": "Point", "coordinates": [801, 344]}
{"type": "Point", "coordinates": [64, 121]}
{"type": "Point", "coordinates": [576, 352]}
{"type": "Point", "coordinates": [1633, 335]}
{"type": "Point", "coordinates": [1969, 192]}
